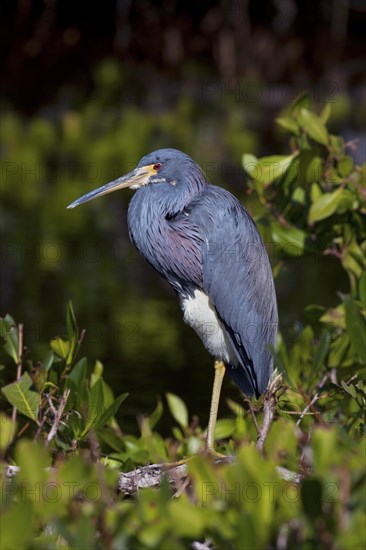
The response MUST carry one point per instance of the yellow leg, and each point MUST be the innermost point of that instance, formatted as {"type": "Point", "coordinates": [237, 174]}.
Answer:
{"type": "Point", "coordinates": [210, 437]}
{"type": "Point", "coordinates": [216, 390]}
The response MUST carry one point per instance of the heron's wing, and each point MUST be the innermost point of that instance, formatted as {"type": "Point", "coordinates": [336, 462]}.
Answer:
{"type": "Point", "coordinates": [238, 280]}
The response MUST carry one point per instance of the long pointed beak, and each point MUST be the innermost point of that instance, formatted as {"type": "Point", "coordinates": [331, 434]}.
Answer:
{"type": "Point", "coordinates": [134, 180]}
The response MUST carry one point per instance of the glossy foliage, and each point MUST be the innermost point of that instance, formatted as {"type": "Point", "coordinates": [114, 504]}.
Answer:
{"type": "Point", "coordinates": [313, 200]}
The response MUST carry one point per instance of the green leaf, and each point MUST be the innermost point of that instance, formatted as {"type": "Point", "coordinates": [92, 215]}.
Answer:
{"type": "Point", "coordinates": [17, 525]}
{"type": "Point", "coordinates": [9, 333]}
{"type": "Point", "coordinates": [178, 409]}
{"type": "Point", "coordinates": [156, 414]}
{"type": "Point", "coordinates": [345, 165]}
{"type": "Point", "coordinates": [7, 432]}
{"type": "Point", "coordinates": [96, 398]}
{"type": "Point", "coordinates": [302, 101]}
{"type": "Point", "coordinates": [78, 373]}
{"type": "Point", "coordinates": [76, 381]}
{"type": "Point", "coordinates": [204, 476]}
{"type": "Point", "coordinates": [95, 405]}
{"type": "Point", "coordinates": [298, 195]}
{"type": "Point", "coordinates": [61, 347]}
{"type": "Point", "coordinates": [337, 145]}
{"type": "Point", "coordinates": [347, 202]}
{"type": "Point", "coordinates": [22, 398]}
{"type": "Point", "coordinates": [281, 440]}
{"type": "Point", "coordinates": [325, 447]}
{"type": "Point", "coordinates": [249, 163]}
{"type": "Point", "coordinates": [290, 176]}
{"type": "Point", "coordinates": [97, 372]}
{"type": "Point", "coordinates": [291, 239]}
{"type": "Point", "coordinates": [270, 168]}
{"type": "Point", "coordinates": [108, 395]}
{"type": "Point", "coordinates": [110, 411]}
{"type": "Point", "coordinates": [110, 437]}
{"type": "Point", "coordinates": [334, 316]}
{"type": "Point", "coordinates": [362, 289]}
{"type": "Point", "coordinates": [356, 327]}
{"type": "Point", "coordinates": [33, 460]}
{"type": "Point", "coordinates": [322, 350]}
{"type": "Point", "coordinates": [315, 192]}
{"type": "Point", "coordinates": [72, 332]}
{"type": "Point", "coordinates": [326, 112]}
{"type": "Point", "coordinates": [313, 126]}
{"type": "Point", "coordinates": [353, 258]}
{"type": "Point", "coordinates": [339, 352]}
{"type": "Point", "coordinates": [310, 167]}
{"type": "Point", "coordinates": [325, 206]}
{"type": "Point", "coordinates": [350, 389]}
{"type": "Point", "coordinates": [188, 520]}
{"type": "Point", "coordinates": [288, 123]}
{"type": "Point", "coordinates": [47, 361]}
{"type": "Point", "coordinates": [237, 409]}
{"type": "Point", "coordinates": [224, 428]}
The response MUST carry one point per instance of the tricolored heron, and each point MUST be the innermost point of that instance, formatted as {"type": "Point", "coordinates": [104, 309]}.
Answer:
{"type": "Point", "coordinates": [201, 239]}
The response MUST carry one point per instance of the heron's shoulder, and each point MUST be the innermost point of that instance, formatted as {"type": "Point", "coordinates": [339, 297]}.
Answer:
{"type": "Point", "coordinates": [219, 206]}
{"type": "Point", "coordinates": [221, 195]}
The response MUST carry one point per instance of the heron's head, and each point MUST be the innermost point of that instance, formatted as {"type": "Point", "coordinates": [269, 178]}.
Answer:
{"type": "Point", "coordinates": [164, 167]}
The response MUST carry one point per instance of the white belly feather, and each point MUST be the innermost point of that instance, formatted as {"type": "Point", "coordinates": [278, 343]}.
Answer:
{"type": "Point", "coordinates": [201, 316]}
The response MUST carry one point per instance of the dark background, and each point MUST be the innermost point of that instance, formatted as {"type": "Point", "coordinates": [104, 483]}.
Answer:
{"type": "Point", "coordinates": [165, 46]}
{"type": "Point", "coordinates": [86, 90]}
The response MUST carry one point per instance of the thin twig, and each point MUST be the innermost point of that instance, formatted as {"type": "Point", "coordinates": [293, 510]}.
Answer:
{"type": "Point", "coordinates": [57, 418]}
{"type": "Point", "coordinates": [314, 399]}
{"type": "Point", "coordinates": [23, 429]}
{"type": "Point", "coordinates": [19, 364]}
{"type": "Point", "coordinates": [41, 424]}
{"type": "Point", "coordinates": [79, 342]}
{"type": "Point", "coordinates": [252, 412]}
{"type": "Point", "coordinates": [51, 408]}
{"type": "Point", "coordinates": [51, 405]}
{"type": "Point", "coordinates": [298, 412]}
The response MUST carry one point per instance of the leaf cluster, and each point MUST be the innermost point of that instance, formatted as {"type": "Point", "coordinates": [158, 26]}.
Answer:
{"type": "Point", "coordinates": [59, 425]}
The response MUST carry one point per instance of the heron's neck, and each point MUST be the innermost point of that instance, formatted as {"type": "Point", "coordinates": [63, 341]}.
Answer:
{"type": "Point", "coordinates": [150, 230]}
{"type": "Point", "coordinates": [149, 211]}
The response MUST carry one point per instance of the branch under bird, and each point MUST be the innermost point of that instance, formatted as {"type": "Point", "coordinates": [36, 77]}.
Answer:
{"type": "Point", "coordinates": [205, 244]}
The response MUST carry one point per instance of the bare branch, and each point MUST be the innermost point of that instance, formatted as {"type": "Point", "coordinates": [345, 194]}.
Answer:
{"type": "Point", "coordinates": [130, 483]}
{"type": "Point", "coordinates": [252, 412]}
{"type": "Point", "coordinates": [314, 399]}
{"type": "Point", "coordinates": [150, 476]}
{"type": "Point", "coordinates": [51, 405]}
{"type": "Point", "coordinates": [269, 407]}
{"type": "Point", "coordinates": [57, 417]}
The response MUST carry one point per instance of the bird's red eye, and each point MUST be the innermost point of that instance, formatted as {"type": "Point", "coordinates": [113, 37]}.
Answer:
{"type": "Point", "coordinates": [157, 166]}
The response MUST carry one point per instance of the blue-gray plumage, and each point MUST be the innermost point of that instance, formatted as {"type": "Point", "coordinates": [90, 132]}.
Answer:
{"type": "Point", "coordinates": [205, 244]}
{"type": "Point", "coordinates": [200, 237]}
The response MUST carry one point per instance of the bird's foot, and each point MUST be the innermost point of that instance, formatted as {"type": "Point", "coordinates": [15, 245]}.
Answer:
{"type": "Point", "coordinates": [177, 463]}
{"type": "Point", "coordinates": [214, 455]}
{"type": "Point", "coordinates": [208, 452]}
